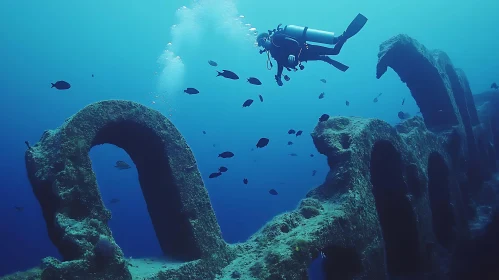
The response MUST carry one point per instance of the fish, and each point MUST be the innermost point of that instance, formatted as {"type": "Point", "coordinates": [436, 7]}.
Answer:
{"type": "Point", "coordinates": [323, 80]}
{"type": "Point", "coordinates": [61, 85]}
{"type": "Point", "coordinates": [347, 103]}
{"type": "Point", "coordinates": [27, 145]}
{"type": "Point", "coordinates": [314, 172]}
{"type": "Point", "coordinates": [403, 101]}
{"type": "Point", "coordinates": [262, 142]}
{"type": "Point", "coordinates": [214, 175]}
{"type": "Point", "coordinates": [494, 86]}
{"type": "Point", "coordinates": [291, 131]}
{"type": "Point", "coordinates": [92, 75]}
{"type": "Point", "coordinates": [226, 154]}
{"type": "Point", "coordinates": [273, 192]}
{"type": "Point", "coordinates": [299, 132]}
{"type": "Point", "coordinates": [204, 132]}
{"type": "Point", "coordinates": [324, 118]}
{"type": "Point", "coordinates": [321, 95]}
{"type": "Point", "coordinates": [223, 169]}
{"type": "Point", "coordinates": [245, 181]}
{"type": "Point", "coordinates": [228, 74]}
{"type": "Point", "coordinates": [293, 155]}
{"type": "Point", "coordinates": [114, 200]}
{"type": "Point", "coordinates": [261, 97]}
{"type": "Point", "coordinates": [19, 208]}
{"type": "Point", "coordinates": [290, 143]}
{"type": "Point", "coordinates": [190, 90]}
{"type": "Point", "coordinates": [212, 63]}
{"type": "Point", "coordinates": [254, 81]}
{"type": "Point", "coordinates": [376, 98]}
{"type": "Point", "coordinates": [247, 103]}
{"type": "Point", "coordinates": [121, 165]}
{"type": "Point", "coordinates": [403, 115]}
{"type": "Point", "coordinates": [311, 155]}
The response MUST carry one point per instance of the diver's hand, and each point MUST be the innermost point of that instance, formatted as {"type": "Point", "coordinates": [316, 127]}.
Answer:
{"type": "Point", "coordinates": [278, 80]}
{"type": "Point", "coordinates": [291, 59]}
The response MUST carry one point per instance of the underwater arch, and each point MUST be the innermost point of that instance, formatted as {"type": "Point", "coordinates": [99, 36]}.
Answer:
{"type": "Point", "coordinates": [60, 172]}
{"type": "Point", "coordinates": [443, 219]}
{"type": "Point", "coordinates": [395, 212]}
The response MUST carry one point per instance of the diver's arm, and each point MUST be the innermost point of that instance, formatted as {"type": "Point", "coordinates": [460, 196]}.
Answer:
{"type": "Point", "coordinates": [280, 68]}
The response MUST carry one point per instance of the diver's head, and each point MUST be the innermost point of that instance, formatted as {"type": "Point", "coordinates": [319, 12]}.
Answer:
{"type": "Point", "coordinates": [263, 40]}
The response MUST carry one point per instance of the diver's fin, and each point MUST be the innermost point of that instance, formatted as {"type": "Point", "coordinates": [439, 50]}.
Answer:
{"type": "Point", "coordinates": [338, 65]}
{"type": "Point", "coordinates": [355, 26]}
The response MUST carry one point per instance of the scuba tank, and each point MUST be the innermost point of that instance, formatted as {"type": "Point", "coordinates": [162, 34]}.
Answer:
{"type": "Point", "coordinates": [308, 34]}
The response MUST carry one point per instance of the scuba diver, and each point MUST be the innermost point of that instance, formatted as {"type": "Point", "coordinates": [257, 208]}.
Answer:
{"type": "Point", "coordinates": [289, 47]}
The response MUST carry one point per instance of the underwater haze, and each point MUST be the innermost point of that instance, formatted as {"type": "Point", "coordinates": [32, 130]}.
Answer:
{"type": "Point", "coordinates": [149, 52]}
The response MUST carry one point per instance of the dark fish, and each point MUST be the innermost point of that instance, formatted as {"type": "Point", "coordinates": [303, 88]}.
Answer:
{"type": "Point", "coordinates": [61, 85]}
{"type": "Point", "coordinates": [19, 208]}
{"type": "Point", "coordinates": [347, 103]}
{"type": "Point", "coordinates": [114, 200]}
{"type": "Point", "coordinates": [245, 181]}
{"type": "Point", "coordinates": [204, 132]}
{"type": "Point", "coordinates": [226, 154]}
{"type": "Point", "coordinates": [215, 175]}
{"type": "Point", "coordinates": [190, 90]}
{"type": "Point", "coordinates": [214, 145]}
{"type": "Point", "coordinates": [121, 165]}
{"type": "Point", "coordinates": [247, 103]}
{"type": "Point", "coordinates": [291, 131]}
{"type": "Point", "coordinates": [254, 81]}
{"type": "Point", "coordinates": [293, 155]}
{"type": "Point", "coordinates": [261, 97]}
{"type": "Point", "coordinates": [324, 118]}
{"type": "Point", "coordinates": [298, 133]}
{"type": "Point", "coordinates": [262, 142]}
{"type": "Point", "coordinates": [321, 95]}
{"type": "Point", "coordinates": [228, 74]}
{"type": "Point", "coordinates": [311, 155]}
{"type": "Point", "coordinates": [403, 115]}
{"type": "Point", "coordinates": [494, 86]}
{"type": "Point", "coordinates": [212, 63]}
{"type": "Point", "coordinates": [92, 75]}
{"type": "Point", "coordinates": [223, 169]}
{"type": "Point", "coordinates": [403, 101]}
{"type": "Point", "coordinates": [273, 192]}
{"type": "Point", "coordinates": [290, 143]}
{"type": "Point", "coordinates": [376, 98]}
{"type": "Point", "coordinates": [323, 80]}
{"type": "Point", "coordinates": [27, 145]}
{"type": "Point", "coordinates": [314, 172]}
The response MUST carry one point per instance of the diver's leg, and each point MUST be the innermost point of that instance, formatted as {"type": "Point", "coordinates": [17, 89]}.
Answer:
{"type": "Point", "coordinates": [313, 54]}
{"type": "Point", "coordinates": [320, 50]}
{"type": "Point", "coordinates": [340, 66]}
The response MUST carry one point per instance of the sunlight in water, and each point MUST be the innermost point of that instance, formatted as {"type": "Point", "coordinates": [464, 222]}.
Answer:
{"type": "Point", "coordinates": [205, 21]}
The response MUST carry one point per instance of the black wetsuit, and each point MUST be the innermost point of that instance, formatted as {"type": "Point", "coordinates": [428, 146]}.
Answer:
{"type": "Point", "coordinates": [283, 46]}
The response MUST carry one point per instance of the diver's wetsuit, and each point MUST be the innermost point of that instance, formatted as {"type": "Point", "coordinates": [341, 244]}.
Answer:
{"type": "Point", "coordinates": [283, 46]}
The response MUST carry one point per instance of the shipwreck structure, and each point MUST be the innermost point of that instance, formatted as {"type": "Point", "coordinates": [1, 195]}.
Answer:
{"type": "Point", "coordinates": [400, 197]}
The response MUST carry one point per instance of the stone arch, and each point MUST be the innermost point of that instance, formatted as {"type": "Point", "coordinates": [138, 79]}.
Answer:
{"type": "Point", "coordinates": [417, 67]}
{"type": "Point", "coordinates": [396, 215]}
{"type": "Point", "coordinates": [60, 172]}
{"type": "Point", "coordinates": [443, 218]}
{"type": "Point", "coordinates": [462, 105]}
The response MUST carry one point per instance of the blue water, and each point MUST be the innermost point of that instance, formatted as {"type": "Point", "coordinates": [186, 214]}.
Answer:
{"type": "Point", "coordinates": [123, 44]}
